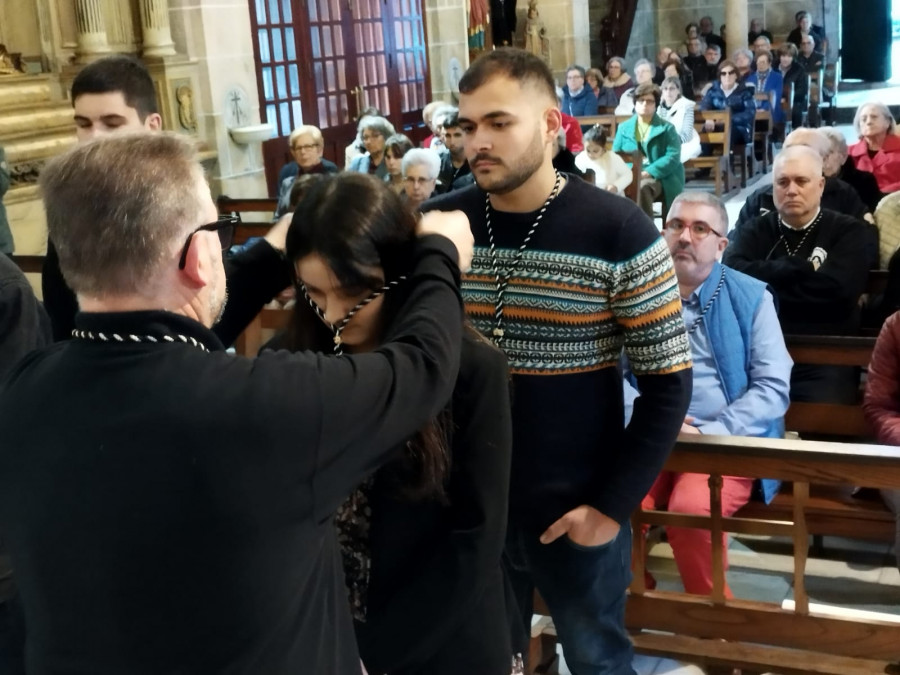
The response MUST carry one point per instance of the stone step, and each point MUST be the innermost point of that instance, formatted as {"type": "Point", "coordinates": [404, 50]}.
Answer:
{"type": "Point", "coordinates": [38, 120]}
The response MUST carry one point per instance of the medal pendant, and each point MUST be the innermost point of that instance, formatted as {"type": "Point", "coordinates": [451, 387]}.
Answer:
{"type": "Point", "coordinates": [498, 332]}
{"type": "Point", "coordinates": [337, 339]}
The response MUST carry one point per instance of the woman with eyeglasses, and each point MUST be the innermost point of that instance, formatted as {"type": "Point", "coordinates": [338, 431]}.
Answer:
{"type": "Point", "coordinates": [792, 72]}
{"type": "Point", "coordinates": [421, 168]}
{"type": "Point", "coordinates": [422, 537]}
{"type": "Point", "coordinates": [394, 150]}
{"type": "Point", "coordinates": [659, 144]}
{"type": "Point", "coordinates": [617, 77]}
{"type": "Point", "coordinates": [373, 132]}
{"type": "Point", "coordinates": [679, 112]}
{"type": "Point", "coordinates": [306, 144]}
{"type": "Point", "coordinates": [729, 93]}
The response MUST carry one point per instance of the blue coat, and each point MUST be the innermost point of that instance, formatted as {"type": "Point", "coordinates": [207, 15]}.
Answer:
{"type": "Point", "coordinates": [661, 150]}
{"type": "Point", "coordinates": [361, 165]}
{"type": "Point", "coordinates": [584, 103]}
{"type": "Point", "coordinates": [743, 109]}
{"type": "Point", "coordinates": [774, 83]}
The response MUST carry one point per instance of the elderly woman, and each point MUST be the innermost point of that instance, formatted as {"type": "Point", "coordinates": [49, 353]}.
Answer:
{"type": "Point", "coordinates": [679, 112]}
{"type": "Point", "coordinates": [606, 97]}
{"type": "Point", "coordinates": [767, 80]}
{"type": "Point", "coordinates": [675, 68]}
{"type": "Point", "coordinates": [643, 74]}
{"type": "Point", "coordinates": [878, 149]}
{"type": "Point", "coordinates": [727, 92]}
{"type": "Point", "coordinates": [743, 60]}
{"type": "Point", "coordinates": [658, 142]}
{"type": "Point", "coordinates": [307, 145]}
{"type": "Point", "coordinates": [420, 172]}
{"type": "Point", "coordinates": [793, 73]}
{"type": "Point", "coordinates": [617, 77]}
{"type": "Point", "coordinates": [578, 99]}
{"type": "Point", "coordinates": [838, 163]}
{"type": "Point", "coordinates": [373, 131]}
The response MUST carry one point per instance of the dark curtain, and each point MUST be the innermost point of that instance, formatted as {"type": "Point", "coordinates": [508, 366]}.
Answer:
{"type": "Point", "coordinates": [503, 21]}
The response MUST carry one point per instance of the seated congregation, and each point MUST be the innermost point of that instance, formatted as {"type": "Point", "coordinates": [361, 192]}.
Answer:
{"type": "Point", "coordinates": [460, 411]}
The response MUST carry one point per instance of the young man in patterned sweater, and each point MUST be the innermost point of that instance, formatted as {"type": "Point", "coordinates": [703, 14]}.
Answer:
{"type": "Point", "coordinates": [564, 276]}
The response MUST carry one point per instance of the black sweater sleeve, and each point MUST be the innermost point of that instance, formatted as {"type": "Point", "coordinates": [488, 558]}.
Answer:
{"type": "Point", "coordinates": [59, 300]}
{"type": "Point", "coordinates": [23, 323]}
{"type": "Point", "coordinates": [431, 605]}
{"type": "Point", "coordinates": [370, 403]}
{"type": "Point", "coordinates": [255, 276]}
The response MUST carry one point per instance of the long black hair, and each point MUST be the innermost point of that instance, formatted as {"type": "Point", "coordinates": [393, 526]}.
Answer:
{"type": "Point", "coordinates": [356, 224]}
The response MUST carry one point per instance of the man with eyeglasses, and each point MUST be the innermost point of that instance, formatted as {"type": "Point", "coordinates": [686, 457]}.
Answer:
{"type": "Point", "coordinates": [116, 95]}
{"type": "Point", "coordinates": [741, 374]}
{"type": "Point", "coordinates": [169, 507]}
{"type": "Point", "coordinates": [808, 57]}
{"type": "Point", "coordinates": [816, 262]}
{"type": "Point", "coordinates": [307, 145]}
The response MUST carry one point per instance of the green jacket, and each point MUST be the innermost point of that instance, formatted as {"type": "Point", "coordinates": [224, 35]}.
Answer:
{"type": "Point", "coordinates": [6, 239]}
{"type": "Point", "coordinates": [661, 151]}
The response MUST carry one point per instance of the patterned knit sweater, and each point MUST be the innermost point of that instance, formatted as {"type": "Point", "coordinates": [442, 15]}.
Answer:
{"type": "Point", "coordinates": [596, 277]}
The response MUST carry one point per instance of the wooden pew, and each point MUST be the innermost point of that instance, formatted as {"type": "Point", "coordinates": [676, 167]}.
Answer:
{"type": "Point", "coordinates": [759, 636]}
{"type": "Point", "coordinates": [247, 229]}
{"type": "Point", "coordinates": [763, 128]}
{"type": "Point", "coordinates": [251, 340]}
{"type": "Point", "coordinates": [816, 80]}
{"type": "Point", "coordinates": [636, 160]}
{"type": "Point", "coordinates": [719, 162]}
{"type": "Point", "coordinates": [607, 121]}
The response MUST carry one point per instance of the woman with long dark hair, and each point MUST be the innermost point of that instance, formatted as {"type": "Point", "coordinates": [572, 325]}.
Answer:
{"type": "Point", "coordinates": [422, 537]}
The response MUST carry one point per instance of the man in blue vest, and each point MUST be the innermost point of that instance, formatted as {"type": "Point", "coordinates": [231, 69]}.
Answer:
{"type": "Point", "coordinates": [741, 373]}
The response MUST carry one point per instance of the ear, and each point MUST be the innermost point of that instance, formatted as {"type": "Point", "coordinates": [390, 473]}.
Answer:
{"type": "Point", "coordinates": [197, 268]}
{"type": "Point", "coordinates": [153, 122]}
{"type": "Point", "coordinates": [553, 118]}
{"type": "Point", "coordinates": [723, 244]}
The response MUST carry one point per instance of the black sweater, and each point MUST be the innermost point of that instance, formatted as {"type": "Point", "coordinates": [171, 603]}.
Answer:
{"type": "Point", "coordinates": [823, 301]}
{"type": "Point", "coordinates": [596, 277]}
{"type": "Point", "coordinates": [436, 601]}
{"type": "Point", "coordinates": [170, 510]}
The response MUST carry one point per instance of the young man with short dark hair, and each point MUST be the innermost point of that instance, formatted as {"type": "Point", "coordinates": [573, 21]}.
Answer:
{"type": "Point", "coordinates": [564, 276]}
{"type": "Point", "coordinates": [455, 172]}
{"type": "Point", "coordinates": [116, 94]}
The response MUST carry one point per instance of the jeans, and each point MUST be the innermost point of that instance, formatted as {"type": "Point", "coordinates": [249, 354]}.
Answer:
{"type": "Point", "coordinates": [584, 587]}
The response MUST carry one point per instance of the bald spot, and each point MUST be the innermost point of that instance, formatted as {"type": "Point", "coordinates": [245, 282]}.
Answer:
{"type": "Point", "coordinates": [806, 155]}
{"type": "Point", "coordinates": [810, 138]}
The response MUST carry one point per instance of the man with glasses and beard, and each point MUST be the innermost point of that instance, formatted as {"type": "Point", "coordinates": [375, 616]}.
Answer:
{"type": "Point", "coordinates": [564, 276]}
{"type": "Point", "coordinates": [168, 506]}
{"type": "Point", "coordinates": [741, 373]}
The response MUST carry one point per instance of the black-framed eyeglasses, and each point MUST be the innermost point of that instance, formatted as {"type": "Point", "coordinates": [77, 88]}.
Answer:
{"type": "Point", "coordinates": [224, 227]}
{"type": "Point", "coordinates": [699, 230]}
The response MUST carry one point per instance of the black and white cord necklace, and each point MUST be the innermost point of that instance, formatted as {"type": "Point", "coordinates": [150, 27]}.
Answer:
{"type": "Point", "coordinates": [788, 228]}
{"type": "Point", "coordinates": [503, 277]}
{"type": "Point", "coordinates": [337, 328]}
{"type": "Point", "coordinates": [709, 303]}
{"type": "Point", "coordinates": [115, 337]}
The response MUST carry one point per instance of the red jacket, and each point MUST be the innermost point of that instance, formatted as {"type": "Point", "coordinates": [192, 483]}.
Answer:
{"type": "Point", "coordinates": [885, 165]}
{"type": "Point", "coordinates": [574, 139]}
{"type": "Point", "coordinates": [882, 401]}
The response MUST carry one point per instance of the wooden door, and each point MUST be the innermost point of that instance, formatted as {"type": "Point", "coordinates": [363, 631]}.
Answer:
{"type": "Point", "coordinates": [321, 62]}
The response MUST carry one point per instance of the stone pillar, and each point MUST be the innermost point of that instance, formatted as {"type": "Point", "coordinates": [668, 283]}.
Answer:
{"type": "Point", "coordinates": [92, 41]}
{"type": "Point", "coordinates": [736, 25]}
{"type": "Point", "coordinates": [157, 37]}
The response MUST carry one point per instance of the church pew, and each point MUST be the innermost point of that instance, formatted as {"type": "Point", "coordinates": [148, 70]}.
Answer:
{"type": "Point", "coordinates": [249, 228]}
{"type": "Point", "coordinates": [720, 140]}
{"type": "Point", "coordinates": [636, 160]}
{"type": "Point", "coordinates": [759, 636]}
{"type": "Point", "coordinates": [29, 264]}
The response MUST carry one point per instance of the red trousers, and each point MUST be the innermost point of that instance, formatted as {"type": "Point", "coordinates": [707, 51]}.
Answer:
{"type": "Point", "coordinates": [692, 548]}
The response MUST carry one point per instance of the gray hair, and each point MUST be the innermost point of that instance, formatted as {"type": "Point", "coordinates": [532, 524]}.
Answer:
{"type": "Point", "coordinates": [617, 59]}
{"type": "Point", "coordinates": [838, 142]}
{"type": "Point", "coordinates": [674, 81]}
{"type": "Point", "coordinates": [705, 199]}
{"type": "Point", "coordinates": [645, 62]}
{"type": "Point", "coordinates": [377, 124]}
{"type": "Point", "coordinates": [422, 157]}
{"type": "Point", "coordinates": [441, 114]}
{"type": "Point", "coordinates": [742, 52]}
{"type": "Point", "coordinates": [881, 108]}
{"type": "Point", "coordinates": [118, 207]}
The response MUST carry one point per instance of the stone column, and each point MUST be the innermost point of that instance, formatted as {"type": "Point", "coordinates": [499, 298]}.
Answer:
{"type": "Point", "coordinates": [157, 38]}
{"type": "Point", "coordinates": [736, 25]}
{"type": "Point", "coordinates": [92, 41]}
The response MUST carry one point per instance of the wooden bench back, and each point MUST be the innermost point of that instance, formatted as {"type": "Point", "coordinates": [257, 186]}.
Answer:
{"type": "Point", "coordinates": [837, 420]}
{"type": "Point", "coordinates": [29, 264]}
{"type": "Point", "coordinates": [720, 139]}
{"type": "Point", "coordinates": [248, 228]}
{"type": "Point", "coordinates": [636, 159]}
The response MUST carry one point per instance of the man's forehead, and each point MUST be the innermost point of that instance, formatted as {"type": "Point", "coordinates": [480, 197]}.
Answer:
{"type": "Point", "coordinates": [497, 96]}
{"type": "Point", "coordinates": [104, 105]}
